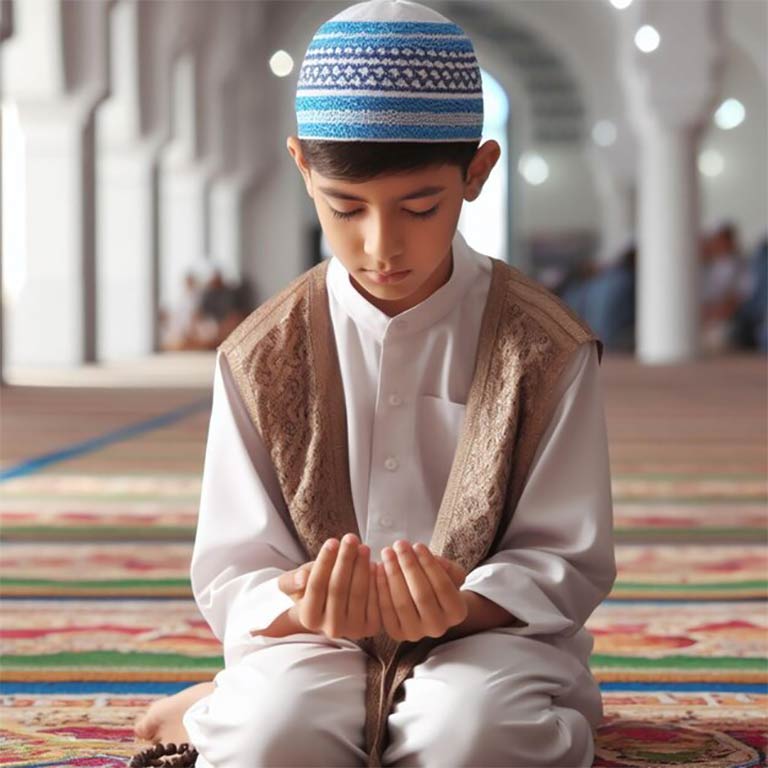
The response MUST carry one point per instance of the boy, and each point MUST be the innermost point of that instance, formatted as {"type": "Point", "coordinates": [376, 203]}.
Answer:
{"type": "Point", "coordinates": [407, 390]}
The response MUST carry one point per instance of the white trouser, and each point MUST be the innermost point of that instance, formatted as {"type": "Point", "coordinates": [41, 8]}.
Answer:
{"type": "Point", "coordinates": [489, 699]}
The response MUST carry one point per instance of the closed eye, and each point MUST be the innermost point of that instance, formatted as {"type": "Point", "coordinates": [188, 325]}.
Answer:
{"type": "Point", "coordinates": [417, 214]}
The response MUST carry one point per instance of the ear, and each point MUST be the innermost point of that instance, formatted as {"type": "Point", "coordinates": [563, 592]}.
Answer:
{"type": "Point", "coordinates": [294, 149]}
{"type": "Point", "coordinates": [480, 169]}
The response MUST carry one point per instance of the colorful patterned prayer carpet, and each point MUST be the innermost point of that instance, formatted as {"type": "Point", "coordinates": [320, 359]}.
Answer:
{"type": "Point", "coordinates": [98, 621]}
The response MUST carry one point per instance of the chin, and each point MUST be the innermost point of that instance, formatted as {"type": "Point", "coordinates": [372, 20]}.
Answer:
{"type": "Point", "coordinates": [395, 291]}
{"type": "Point", "coordinates": [391, 294]}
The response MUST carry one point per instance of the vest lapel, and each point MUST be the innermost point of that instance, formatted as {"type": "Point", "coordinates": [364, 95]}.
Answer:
{"type": "Point", "coordinates": [464, 515]}
{"type": "Point", "coordinates": [329, 408]}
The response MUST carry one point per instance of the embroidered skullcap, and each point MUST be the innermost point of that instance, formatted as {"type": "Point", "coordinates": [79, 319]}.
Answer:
{"type": "Point", "coordinates": [390, 70]}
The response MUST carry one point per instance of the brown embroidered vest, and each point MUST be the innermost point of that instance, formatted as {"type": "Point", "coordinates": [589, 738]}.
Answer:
{"type": "Point", "coordinates": [283, 360]}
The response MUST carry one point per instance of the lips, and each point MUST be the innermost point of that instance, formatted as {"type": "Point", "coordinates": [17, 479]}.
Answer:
{"type": "Point", "coordinates": [388, 274]}
{"type": "Point", "coordinates": [386, 278]}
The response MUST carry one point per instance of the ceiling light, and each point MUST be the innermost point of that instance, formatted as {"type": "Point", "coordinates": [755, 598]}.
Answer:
{"type": "Point", "coordinates": [730, 114]}
{"type": "Point", "coordinates": [647, 39]}
{"type": "Point", "coordinates": [281, 63]}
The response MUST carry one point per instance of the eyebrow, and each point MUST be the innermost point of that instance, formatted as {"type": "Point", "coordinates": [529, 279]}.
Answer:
{"type": "Point", "coordinates": [423, 192]}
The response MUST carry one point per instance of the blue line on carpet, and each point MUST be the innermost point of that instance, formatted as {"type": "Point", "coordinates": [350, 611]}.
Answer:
{"type": "Point", "coordinates": [89, 687]}
{"type": "Point", "coordinates": [709, 687]}
{"type": "Point", "coordinates": [88, 446]}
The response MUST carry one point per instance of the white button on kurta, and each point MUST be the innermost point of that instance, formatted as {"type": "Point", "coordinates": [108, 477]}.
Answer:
{"type": "Point", "coordinates": [406, 380]}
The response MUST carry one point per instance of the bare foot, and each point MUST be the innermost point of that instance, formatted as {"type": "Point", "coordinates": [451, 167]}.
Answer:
{"type": "Point", "coordinates": [162, 721]}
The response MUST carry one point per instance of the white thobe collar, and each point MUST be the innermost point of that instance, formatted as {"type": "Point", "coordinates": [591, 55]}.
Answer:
{"type": "Point", "coordinates": [424, 314]}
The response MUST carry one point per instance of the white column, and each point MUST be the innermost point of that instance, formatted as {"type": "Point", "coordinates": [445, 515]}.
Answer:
{"type": "Point", "coordinates": [226, 204]}
{"type": "Point", "coordinates": [670, 92]}
{"type": "Point", "coordinates": [245, 162]}
{"type": "Point", "coordinates": [277, 208]}
{"type": "Point", "coordinates": [5, 31]}
{"type": "Point", "coordinates": [224, 115]}
{"type": "Point", "coordinates": [668, 299]}
{"type": "Point", "coordinates": [49, 322]}
{"type": "Point", "coordinates": [55, 84]}
{"type": "Point", "coordinates": [182, 187]}
{"type": "Point", "coordinates": [126, 251]}
{"type": "Point", "coordinates": [182, 225]}
{"type": "Point", "coordinates": [232, 125]}
{"type": "Point", "coordinates": [126, 248]}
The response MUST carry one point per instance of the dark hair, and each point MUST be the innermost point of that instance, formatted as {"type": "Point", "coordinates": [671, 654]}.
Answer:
{"type": "Point", "coordinates": [365, 160]}
{"type": "Point", "coordinates": [727, 230]}
{"type": "Point", "coordinates": [628, 256]}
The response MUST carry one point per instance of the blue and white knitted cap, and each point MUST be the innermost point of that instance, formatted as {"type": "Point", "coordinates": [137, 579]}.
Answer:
{"type": "Point", "coordinates": [390, 70]}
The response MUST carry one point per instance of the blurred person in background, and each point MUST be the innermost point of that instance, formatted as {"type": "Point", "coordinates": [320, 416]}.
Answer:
{"type": "Point", "coordinates": [610, 303]}
{"type": "Point", "coordinates": [724, 286]}
{"type": "Point", "coordinates": [178, 326]}
{"type": "Point", "coordinates": [221, 310]}
{"type": "Point", "coordinates": [604, 296]}
{"type": "Point", "coordinates": [207, 312]}
{"type": "Point", "coordinates": [750, 322]}
{"type": "Point", "coordinates": [574, 288]}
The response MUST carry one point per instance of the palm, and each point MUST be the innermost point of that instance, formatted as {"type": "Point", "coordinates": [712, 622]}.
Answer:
{"type": "Point", "coordinates": [295, 591]}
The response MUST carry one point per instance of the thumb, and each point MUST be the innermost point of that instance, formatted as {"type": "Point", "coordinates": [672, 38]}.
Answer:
{"type": "Point", "coordinates": [300, 578]}
{"type": "Point", "coordinates": [293, 581]}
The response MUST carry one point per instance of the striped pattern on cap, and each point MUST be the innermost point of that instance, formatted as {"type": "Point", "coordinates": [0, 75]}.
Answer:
{"type": "Point", "coordinates": [390, 78]}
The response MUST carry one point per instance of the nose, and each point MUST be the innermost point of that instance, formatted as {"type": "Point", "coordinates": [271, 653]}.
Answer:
{"type": "Point", "coordinates": [383, 242]}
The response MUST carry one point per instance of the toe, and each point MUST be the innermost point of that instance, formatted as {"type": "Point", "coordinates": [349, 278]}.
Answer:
{"type": "Point", "coordinates": [145, 728]}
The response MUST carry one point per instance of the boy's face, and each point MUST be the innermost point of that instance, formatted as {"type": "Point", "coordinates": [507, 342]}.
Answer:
{"type": "Point", "coordinates": [401, 224]}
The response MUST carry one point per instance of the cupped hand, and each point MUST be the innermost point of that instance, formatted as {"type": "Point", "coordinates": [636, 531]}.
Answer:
{"type": "Point", "coordinates": [419, 593]}
{"type": "Point", "coordinates": [294, 584]}
{"type": "Point", "coordinates": [336, 594]}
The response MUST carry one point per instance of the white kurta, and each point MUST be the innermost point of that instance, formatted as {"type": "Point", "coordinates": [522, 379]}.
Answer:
{"type": "Point", "coordinates": [406, 381]}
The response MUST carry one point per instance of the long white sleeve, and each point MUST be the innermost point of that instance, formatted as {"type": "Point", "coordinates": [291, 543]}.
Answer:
{"type": "Point", "coordinates": [242, 543]}
{"type": "Point", "coordinates": [556, 559]}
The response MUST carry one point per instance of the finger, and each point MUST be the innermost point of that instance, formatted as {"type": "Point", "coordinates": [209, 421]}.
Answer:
{"type": "Point", "coordinates": [431, 616]}
{"type": "Point", "coordinates": [358, 590]}
{"type": "Point", "coordinates": [293, 582]}
{"type": "Point", "coordinates": [455, 572]}
{"type": "Point", "coordinates": [299, 581]}
{"type": "Point", "coordinates": [373, 614]}
{"type": "Point", "coordinates": [315, 595]}
{"type": "Point", "coordinates": [444, 588]}
{"type": "Point", "coordinates": [338, 585]}
{"type": "Point", "coordinates": [403, 604]}
{"type": "Point", "coordinates": [302, 576]}
{"type": "Point", "coordinates": [389, 617]}
{"type": "Point", "coordinates": [285, 582]}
